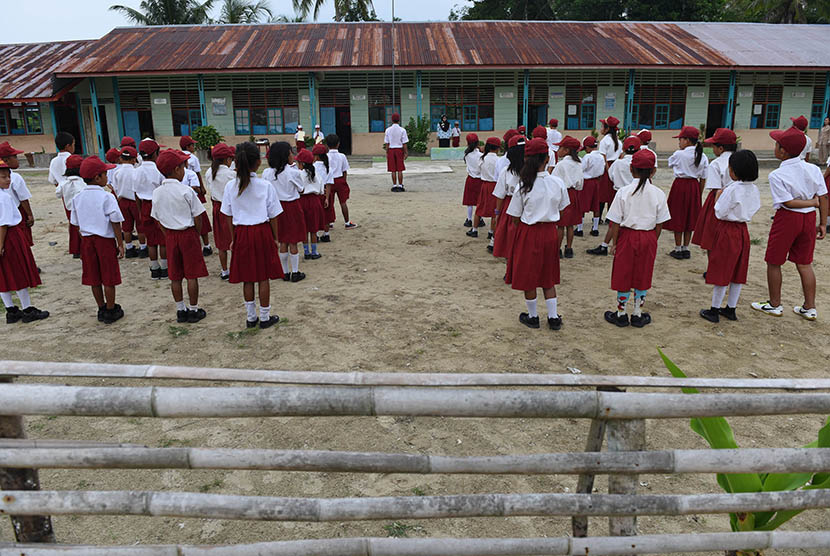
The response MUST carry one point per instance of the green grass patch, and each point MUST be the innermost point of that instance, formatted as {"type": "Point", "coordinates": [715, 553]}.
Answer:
{"type": "Point", "coordinates": [398, 530]}
{"type": "Point", "coordinates": [177, 331]}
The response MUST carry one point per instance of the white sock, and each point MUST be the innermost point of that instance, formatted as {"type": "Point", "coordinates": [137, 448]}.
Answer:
{"type": "Point", "coordinates": [551, 303]}
{"type": "Point", "coordinates": [678, 248]}
{"type": "Point", "coordinates": [595, 223]}
{"type": "Point", "coordinates": [603, 244]}
{"type": "Point", "coordinates": [143, 245]}
{"type": "Point", "coordinates": [684, 247]}
{"type": "Point", "coordinates": [734, 294]}
{"type": "Point", "coordinates": [225, 272]}
{"type": "Point", "coordinates": [579, 227]}
{"type": "Point", "coordinates": [470, 213]}
{"type": "Point", "coordinates": [154, 265]}
{"type": "Point", "coordinates": [265, 313]}
{"type": "Point", "coordinates": [492, 242]}
{"type": "Point", "coordinates": [180, 306]}
{"type": "Point", "coordinates": [193, 307]}
{"type": "Point", "coordinates": [295, 262]}
{"type": "Point", "coordinates": [250, 308]}
{"type": "Point", "coordinates": [718, 293]}
{"type": "Point", "coordinates": [531, 307]}
{"type": "Point", "coordinates": [284, 262]}
{"type": "Point", "coordinates": [7, 299]}
{"type": "Point", "coordinates": [163, 263]}
{"type": "Point", "coordinates": [23, 296]}
{"type": "Point", "coordinates": [129, 246]}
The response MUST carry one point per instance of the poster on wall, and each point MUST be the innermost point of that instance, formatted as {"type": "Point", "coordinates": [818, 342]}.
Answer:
{"type": "Point", "coordinates": [220, 106]}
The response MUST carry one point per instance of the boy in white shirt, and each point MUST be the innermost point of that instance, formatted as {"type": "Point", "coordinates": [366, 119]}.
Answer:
{"type": "Point", "coordinates": [299, 137]}
{"type": "Point", "coordinates": [336, 183]}
{"type": "Point", "coordinates": [554, 136]}
{"type": "Point", "coordinates": [147, 179]}
{"type": "Point", "coordinates": [194, 170]}
{"type": "Point", "coordinates": [318, 135]}
{"type": "Point", "coordinates": [67, 190]}
{"type": "Point", "coordinates": [800, 123]}
{"type": "Point", "coordinates": [395, 144]}
{"type": "Point", "coordinates": [65, 143]}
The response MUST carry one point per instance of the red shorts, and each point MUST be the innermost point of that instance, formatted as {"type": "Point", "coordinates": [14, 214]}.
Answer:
{"type": "Point", "coordinates": [255, 257]}
{"type": "Point", "coordinates": [313, 213]}
{"type": "Point", "coordinates": [394, 160]}
{"type": "Point", "coordinates": [606, 189]}
{"type": "Point", "coordinates": [18, 269]}
{"type": "Point", "coordinates": [184, 254]}
{"type": "Point", "coordinates": [129, 209]}
{"type": "Point", "coordinates": [589, 196]}
{"type": "Point", "coordinates": [571, 215]}
{"type": "Point", "coordinates": [456, 141]}
{"type": "Point", "coordinates": [99, 262]}
{"type": "Point", "coordinates": [505, 232]}
{"type": "Point", "coordinates": [684, 205]}
{"type": "Point", "coordinates": [291, 223]}
{"type": "Point", "coordinates": [472, 189]}
{"type": "Point", "coordinates": [534, 262]}
{"type": "Point", "coordinates": [74, 234]}
{"type": "Point", "coordinates": [486, 204]}
{"type": "Point", "coordinates": [634, 260]}
{"type": "Point", "coordinates": [149, 227]}
{"type": "Point", "coordinates": [791, 238]}
{"type": "Point", "coordinates": [221, 229]}
{"type": "Point", "coordinates": [706, 222]}
{"type": "Point", "coordinates": [729, 254]}
{"type": "Point", "coordinates": [27, 231]}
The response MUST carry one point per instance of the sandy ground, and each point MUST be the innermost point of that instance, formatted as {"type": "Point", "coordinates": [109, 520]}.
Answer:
{"type": "Point", "coordinates": [407, 291]}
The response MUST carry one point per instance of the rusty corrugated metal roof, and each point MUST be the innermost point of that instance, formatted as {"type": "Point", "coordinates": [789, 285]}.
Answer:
{"type": "Point", "coordinates": [30, 69]}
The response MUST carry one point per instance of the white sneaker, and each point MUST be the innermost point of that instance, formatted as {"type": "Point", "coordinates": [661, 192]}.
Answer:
{"type": "Point", "coordinates": [765, 307]}
{"type": "Point", "coordinates": [809, 314]}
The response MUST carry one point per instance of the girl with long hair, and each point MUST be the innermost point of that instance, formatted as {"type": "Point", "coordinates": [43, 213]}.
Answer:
{"type": "Point", "coordinates": [569, 170]}
{"type": "Point", "coordinates": [288, 184]}
{"type": "Point", "coordinates": [505, 189]}
{"type": "Point", "coordinates": [690, 169]}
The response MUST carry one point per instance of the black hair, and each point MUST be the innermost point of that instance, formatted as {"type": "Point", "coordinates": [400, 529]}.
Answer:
{"type": "Point", "coordinates": [324, 158]}
{"type": "Point", "coordinates": [488, 148]}
{"type": "Point", "coordinates": [214, 166]}
{"type": "Point", "coordinates": [730, 147]}
{"type": "Point", "coordinates": [72, 172]}
{"type": "Point", "coordinates": [63, 139]}
{"type": "Point", "coordinates": [247, 155]}
{"type": "Point", "coordinates": [632, 149]}
{"type": "Point", "coordinates": [91, 181]}
{"type": "Point", "coordinates": [278, 156]}
{"type": "Point", "coordinates": [149, 156]}
{"type": "Point", "coordinates": [471, 146]}
{"type": "Point", "coordinates": [310, 170]}
{"type": "Point", "coordinates": [574, 154]}
{"type": "Point", "coordinates": [644, 174]}
{"type": "Point", "coordinates": [516, 156]}
{"type": "Point", "coordinates": [698, 149]}
{"type": "Point", "coordinates": [613, 132]}
{"type": "Point", "coordinates": [745, 165]}
{"type": "Point", "coordinates": [529, 170]}
{"type": "Point", "coordinates": [332, 141]}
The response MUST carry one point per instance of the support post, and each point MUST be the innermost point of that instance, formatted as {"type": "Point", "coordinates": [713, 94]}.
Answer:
{"type": "Point", "coordinates": [80, 124]}
{"type": "Point", "coordinates": [311, 95]}
{"type": "Point", "coordinates": [624, 435]}
{"type": "Point", "coordinates": [202, 105]}
{"type": "Point", "coordinates": [419, 101]}
{"type": "Point", "coordinates": [729, 114]}
{"type": "Point", "coordinates": [27, 529]}
{"type": "Point", "coordinates": [54, 118]}
{"type": "Point", "coordinates": [525, 95]}
{"type": "Point", "coordinates": [96, 116]}
{"type": "Point", "coordinates": [825, 112]}
{"type": "Point", "coordinates": [629, 103]}
{"type": "Point", "coordinates": [118, 114]}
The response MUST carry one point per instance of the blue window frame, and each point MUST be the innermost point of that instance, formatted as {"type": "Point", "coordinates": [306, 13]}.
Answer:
{"type": "Point", "coordinates": [766, 106]}
{"type": "Point", "coordinates": [242, 121]}
{"type": "Point", "coordinates": [470, 117]}
{"type": "Point", "coordinates": [817, 116]}
{"type": "Point", "coordinates": [661, 116]}
{"type": "Point", "coordinates": [21, 120]}
{"type": "Point", "coordinates": [772, 116]}
{"type": "Point", "coordinates": [580, 107]}
{"type": "Point", "coordinates": [470, 108]}
{"type": "Point", "coordinates": [659, 107]}
{"type": "Point", "coordinates": [587, 116]}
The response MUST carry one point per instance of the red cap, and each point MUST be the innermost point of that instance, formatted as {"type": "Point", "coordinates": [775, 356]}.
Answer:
{"type": "Point", "coordinates": [800, 122]}
{"type": "Point", "coordinates": [4, 165]}
{"type": "Point", "coordinates": [643, 158]}
{"type": "Point", "coordinates": [589, 141]}
{"type": "Point", "coordinates": [495, 141]}
{"type": "Point", "coordinates": [168, 160]}
{"type": "Point", "coordinates": [148, 146]}
{"type": "Point", "coordinates": [186, 141]}
{"type": "Point", "coordinates": [220, 151]}
{"type": "Point", "coordinates": [569, 142]}
{"type": "Point", "coordinates": [722, 136]}
{"type": "Point", "coordinates": [74, 161]}
{"type": "Point", "coordinates": [112, 155]}
{"type": "Point", "coordinates": [93, 166]}
{"type": "Point", "coordinates": [521, 129]}
{"type": "Point", "coordinates": [396, 118]}
{"type": "Point", "coordinates": [610, 121]}
{"type": "Point", "coordinates": [127, 141]}
{"type": "Point", "coordinates": [791, 140]}
{"type": "Point", "coordinates": [553, 122]}
{"type": "Point", "coordinates": [508, 134]}
{"type": "Point", "coordinates": [540, 132]}
{"type": "Point", "coordinates": [130, 152]}
{"type": "Point", "coordinates": [472, 138]}
{"type": "Point", "coordinates": [632, 141]}
{"type": "Point", "coordinates": [319, 149]}
{"type": "Point", "coordinates": [688, 132]}
{"type": "Point", "coordinates": [305, 156]}
{"type": "Point", "coordinates": [515, 140]}
{"type": "Point", "coordinates": [537, 145]}
{"type": "Point", "coordinates": [645, 136]}
{"type": "Point", "coordinates": [7, 150]}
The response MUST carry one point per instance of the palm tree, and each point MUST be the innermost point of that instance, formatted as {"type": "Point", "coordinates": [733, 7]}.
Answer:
{"type": "Point", "coordinates": [167, 12]}
{"type": "Point", "coordinates": [245, 11]}
{"type": "Point", "coordinates": [341, 7]}
{"type": "Point", "coordinates": [288, 19]}
{"type": "Point", "coordinates": [783, 11]}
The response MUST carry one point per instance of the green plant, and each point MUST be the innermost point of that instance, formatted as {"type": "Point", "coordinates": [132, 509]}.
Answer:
{"type": "Point", "coordinates": [594, 133]}
{"type": "Point", "coordinates": [206, 137]}
{"type": "Point", "coordinates": [397, 529]}
{"type": "Point", "coordinates": [718, 434]}
{"type": "Point", "coordinates": [418, 133]}
{"type": "Point", "coordinates": [177, 331]}
{"type": "Point", "coordinates": [702, 128]}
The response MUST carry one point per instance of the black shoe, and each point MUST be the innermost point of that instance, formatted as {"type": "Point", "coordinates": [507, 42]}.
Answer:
{"type": "Point", "coordinates": [598, 250]}
{"type": "Point", "coordinates": [641, 321]}
{"type": "Point", "coordinates": [270, 322]}
{"type": "Point", "coordinates": [555, 323]}
{"type": "Point", "coordinates": [225, 277]}
{"type": "Point", "coordinates": [481, 223]}
{"type": "Point", "coordinates": [560, 254]}
{"type": "Point", "coordinates": [398, 189]}
{"type": "Point", "coordinates": [112, 315]}
{"type": "Point", "coordinates": [307, 256]}
{"type": "Point", "coordinates": [76, 255]}
{"type": "Point", "coordinates": [676, 255]}
{"type": "Point", "coordinates": [286, 277]}
{"type": "Point", "coordinates": [251, 323]}
{"type": "Point", "coordinates": [143, 252]}
{"type": "Point", "coordinates": [131, 253]}
{"type": "Point", "coordinates": [324, 239]}
{"type": "Point", "coordinates": [472, 233]}
{"type": "Point", "coordinates": [687, 254]}
{"type": "Point", "coordinates": [712, 315]}
{"type": "Point", "coordinates": [155, 274]}
{"type": "Point", "coordinates": [489, 235]}
{"type": "Point", "coordinates": [728, 313]}
{"type": "Point", "coordinates": [614, 318]}
{"type": "Point", "coordinates": [489, 248]}
{"type": "Point", "coordinates": [13, 315]}
{"type": "Point", "coordinates": [163, 273]}
{"type": "Point", "coordinates": [297, 276]}
{"type": "Point", "coordinates": [704, 276]}
{"type": "Point", "coordinates": [578, 233]}
{"type": "Point", "coordinates": [196, 316]}
{"type": "Point", "coordinates": [101, 311]}
{"type": "Point", "coordinates": [207, 251]}
{"type": "Point", "coordinates": [31, 314]}
{"type": "Point", "coordinates": [569, 253]}
{"type": "Point", "coordinates": [315, 256]}
{"type": "Point", "coordinates": [468, 223]}
{"type": "Point", "coordinates": [527, 320]}
{"type": "Point", "coordinates": [828, 229]}
{"type": "Point", "coordinates": [595, 233]}
{"type": "Point", "coordinates": [181, 316]}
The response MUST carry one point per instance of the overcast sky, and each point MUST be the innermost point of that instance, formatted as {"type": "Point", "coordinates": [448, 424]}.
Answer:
{"type": "Point", "coordinates": [60, 20]}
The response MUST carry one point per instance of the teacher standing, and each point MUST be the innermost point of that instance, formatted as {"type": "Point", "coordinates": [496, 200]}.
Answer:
{"type": "Point", "coordinates": [444, 132]}
{"type": "Point", "coordinates": [824, 142]}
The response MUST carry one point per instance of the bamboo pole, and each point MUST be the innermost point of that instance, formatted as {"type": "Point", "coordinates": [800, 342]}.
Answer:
{"type": "Point", "coordinates": [585, 483]}
{"type": "Point", "coordinates": [266, 508]}
{"type": "Point", "coordinates": [41, 399]}
{"type": "Point", "coordinates": [18, 443]}
{"type": "Point", "coordinates": [561, 546]}
{"type": "Point", "coordinates": [624, 435]}
{"type": "Point", "coordinates": [105, 370]}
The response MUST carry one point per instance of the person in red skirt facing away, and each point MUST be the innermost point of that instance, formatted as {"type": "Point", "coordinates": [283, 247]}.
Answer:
{"type": "Point", "coordinates": [18, 190]}
{"type": "Point", "coordinates": [95, 211]}
{"type": "Point", "coordinates": [472, 187]}
{"type": "Point", "coordinates": [535, 208]}
{"type": "Point", "coordinates": [69, 186]}
{"type": "Point", "coordinates": [636, 217]}
{"type": "Point", "coordinates": [288, 184]}
{"type": "Point", "coordinates": [395, 144]}
{"type": "Point", "coordinates": [123, 183]}
{"type": "Point", "coordinates": [336, 184]}
{"type": "Point", "coordinates": [193, 177]}
{"type": "Point", "coordinates": [18, 271]}
{"type": "Point", "coordinates": [486, 204]}
{"type": "Point", "coordinates": [217, 177]}
{"type": "Point", "coordinates": [251, 205]}
{"type": "Point", "coordinates": [147, 179]}
{"type": "Point", "coordinates": [310, 199]}
{"type": "Point", "coordinates": [690, 168]}
{"type": "Point", "coordinates": [505, 189]}
{"type": "Point", "coordinates": [729, 248]}
{"type": "Point", "coordinates": [593, 168]}
{"type": "Point", "coordinates": [797, 188]}
{"type": "Point", "coordinates": [569, 170]}
{"type": "Point", "coordinates": [724, 142]}
{"type": "Point", "coordinates": [610, 147]}
{"type": "Point", "coordinates": [323, 169]}
{"type": "Point", "coordinates": [553, 137]}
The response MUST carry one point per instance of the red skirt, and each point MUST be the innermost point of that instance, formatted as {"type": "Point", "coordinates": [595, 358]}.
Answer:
{"type": "Point", "coordinates": [684, 205]}
{"type": "Point", "coordinates": [634, 260]}
{"type": "Point", "coordinates": [221, 229]}
{"type": "Point", "coordinates": [589, 196]}
{"type": "Point", "coordinates": [27, 231]}
{"type": "Point", "coordinates": [571, 215]}
{"type": "Point", "coordinates": [255, 257]}
{"type": "Point", "coordinates": [129, 209]}
{"type": "Point", "coordinates": [472, 189]}
{"type": "Point", "coordinates": [291, 223]}
{"type": "Point", "coordinates": [99, 262]}
{"type": "Point", "coordinates": [505, 232]}
{"type": "Point", "coordinates": [486, 205]}
{"type": "Point", "coordinates": [706, 221]}
{"type": "Point", "coordinates": [313, 213]}
{"type": "Point", "coordinates": [394, 160]}
{"type": "Point", "coordinates": [729, 254]}
{"type": "Point", "coordinates": [206, 227]}
{"type": "Point", "coordinates": [606, 188]}
{"type": "Point", "coordinates": [149, 227]}
{"type": "Point", "coordinates": [184, 255]}
{"type": "Point", "coordinates": [74, 234]}
{"type": "Point", "coordinates": [17, 265]}
{"type": "Point", "coordinates": [534, 262]}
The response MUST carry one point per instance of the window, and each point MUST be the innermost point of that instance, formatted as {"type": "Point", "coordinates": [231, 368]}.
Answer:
{"type": "Point", "coordinates": [381, 108]}
{"type": "Point", "coordinates": [187, 112]}
{"type": "Point", "coordinates": [580, 107]}
{"type": "Point", "coordinates": [817, 114]}
{"type": "Point", "coordinates": [471, 108]}
{"type": "Point", "coordinates": [766, 106]}
{"type": "Point", "coordinates": [4, 127]}
{"type": "Point", "coordinates": [659, 107]}
{"type": "Point", "coordinates": [261, 112]}
{"type": "Point", "coordinates": [21, 120]}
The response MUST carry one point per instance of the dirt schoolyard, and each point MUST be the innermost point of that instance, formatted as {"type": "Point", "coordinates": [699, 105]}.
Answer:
{"type": "Point", "coordinates": [407, 291]}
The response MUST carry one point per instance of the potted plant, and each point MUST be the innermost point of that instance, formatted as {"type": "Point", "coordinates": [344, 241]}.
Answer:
{"type": "Point", "coordinates": [206, 137]}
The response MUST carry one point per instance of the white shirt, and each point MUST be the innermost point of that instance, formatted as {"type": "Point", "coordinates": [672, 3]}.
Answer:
{"type": "Point", "coordinates": [300, 135]}
{"type": "Point", "coordinates": [473, 161]}
{"type": "Point", "coordinates": [506, 184]}
{"type": "Point", "coordinates": [606, 147]}
{"type": "Point", "coordinates": [9, 213]}
{"type": "Point", "coordinates": [18, 189]}
{"type": "Point", "coordinates": [593, 165]}
{"type": "Point", "coordinates": [193, 162]}
{"type": "Point", "coordinates": [110, 175]}
{"type": "Point", "coordinates": [190, 178]}
{"type": "Point", "coordinates": [57, 168]}
{"type": "Point", "coordinates": [338, 165]}
{"type": "Point", "coordinates": [94, 210]}
{"type": "Point", "coordinates": [542, 203]}
{"type": "Point", "coordinates": [455, 132]}
{"type": "Point", "coordinates": [216, 185]}
{"type": "Point", "coordinates": [795, 179]}
{"type": "Point", "coordinates": [488, 167]}
{"type": "Point", "coordinates": [738, 203]}
{"type": "Point", "coordinates": [123, 181]}
{"type": "Point", "coordinates": [395, 136]}
{"type": "Point", "coordinates": [620, 172]}
{"type": "Point", "coordinates": [288, 183]}
{"type": "Point", "coordinates": [808, 148]}
{"type": "Point", "coordinates": [69, 188]}
{"type": "Point", "coordinates": [257, 204]}
{"type": "Point", "coordinates": [554, 136]}
{"type": "Point", "coordinates": [652, 152]}
{"type": "Point", "coordinates": [682, 162]}
{"type": "Point", "coordinates": [318, 137]}
{"type": "Point", "coordinates": [146, 179]}
{"type": "Point", "coordinates": [503, 163]}
{"type": "Point", "coordinates": [717, 176]}
{"type": "Point", "coordinates": [175, 205]}
{"type": "Point", "coordinates": [570, 172]}
{"type": "Point", "coordinates": [639, 211]}
{"type": "Point", "coordinates": [318, 186]}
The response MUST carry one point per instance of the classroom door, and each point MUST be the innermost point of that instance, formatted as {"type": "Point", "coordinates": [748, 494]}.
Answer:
{"type": "Point", "coordinates": [470, 117]}
{"type": "Point", "coordinates": [328, 120]}
{"type": "Point", "coordinates": [343, 117]}
{"type": "Point", "coordinates": [131, 125]}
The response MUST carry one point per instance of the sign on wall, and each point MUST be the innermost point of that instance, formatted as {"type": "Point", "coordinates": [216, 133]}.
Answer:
{"type": "Point", "coordinates": [220, 105]}
{"type": "Point", "coordinates": [162, 100]}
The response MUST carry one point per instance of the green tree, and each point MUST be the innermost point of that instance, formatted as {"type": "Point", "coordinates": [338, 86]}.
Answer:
{"type": "Point", "coordinates": [358, 10]}
{"type": "Point", "coordinates": [780, 11]}
{"type": "Point", "coordinates": [341, 8]}
{"type": "Point", "coordinates": [538, 10]}
{"type": "Point", "coordinates": [597, 10]}
{"type": "Point", "coordinates": [674, 10]}
{"type": "Point", "coordinates": [244, 11]}
{"type": "Point", "coordinates": [167, 12]}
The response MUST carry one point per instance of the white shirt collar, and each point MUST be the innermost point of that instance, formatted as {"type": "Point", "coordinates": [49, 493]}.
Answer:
{"type": "Point", "coordinates": [790, 161]}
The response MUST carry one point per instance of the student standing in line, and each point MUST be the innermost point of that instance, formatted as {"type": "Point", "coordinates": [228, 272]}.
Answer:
{"type": "Point", "coordinates": [593, 168]}
{"type": "Point", "coordinates": [322, 168]}
{"type": "Point", "coordinates": [65, 143]}
{"type": "Point", "coordinates": [690, 168]}
{"type": "Point", "coordinates": [569, 169]}
{"type": "Point", "coordinates": [194, 167]}
{"type": "Point", "coordinates": [218, 176]}
{"type": "Point", "coordinates": [645, 136]}
{"type": "Point", "coordinates": [503, 161]}
{"type": "Point", "coordinates": [502, 243]}
{"type": "Point", "coordinates": [147, 179]}
{"type": "Point", "coordinates": [554, 136]}
{"type": "Point", "coordinates": [610, 147]}
{"type": "Point", "coordinates": [287, 182]}
{"type": "Point", "coordinates": [395, 144]}
{"type": "Point", "coordinates": [800, 123]}
{"type": "Point", "coordinates": [724, 142]}
{"type": "Point", "coordinates": [336, 183]}
{"type": "Point", "coordinates": [18, 190]}
{"type": "Point", "coordinates": [313, 183]}
{"type": "Point", "coordinates": [455, 135]}
{"type": "Point", "coordinates": [299, 138]}
{"type": "Point", "coordinates": [318, 135]}
{"type": "Point", "coordinates": [67, 190]}
{"type": "Point", "coordinates": [111, 157]}
{"type": "Point", "coordinates": [486, 204]}
{"type": "Point", "coordinates": [123, 182]}
{"type": "Point", "coordinates": [472, 186]}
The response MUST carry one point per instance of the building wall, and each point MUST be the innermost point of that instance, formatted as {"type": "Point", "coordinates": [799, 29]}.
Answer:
{"type": "Point", "coordinates": [610, 102]}
{"type": "Point", "coordinates": [743, 107]}
{"type": "Point", "coordinates": [359, 110]}
{"type": "Point", "coordinates": [222, 122]}
{"type": "Point", "coordinates": [162, 115]}
{"type": "Point", "coordinates": [505, 111]}
{"type": "Point", "coordinates": [795, 101]}
{"type": "Point", "coordinates": [697, 106]}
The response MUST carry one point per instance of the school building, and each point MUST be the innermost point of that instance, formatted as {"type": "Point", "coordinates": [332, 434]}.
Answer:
{"type": "Point", "coordinates": [263, 80]}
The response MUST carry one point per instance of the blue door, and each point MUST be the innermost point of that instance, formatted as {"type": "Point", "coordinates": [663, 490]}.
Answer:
{"type": "Point", "coordinates": [328, 121]}
{"type": "Point", "coordinates": [470, 117]}
{"type": "Point", "coordinates": [131, 128]}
